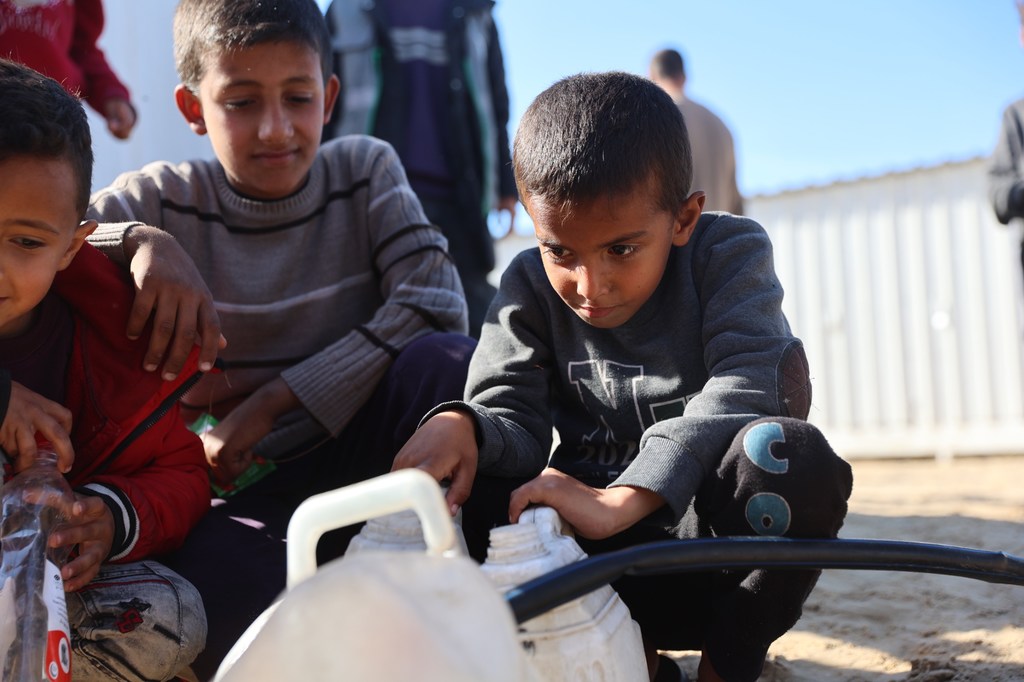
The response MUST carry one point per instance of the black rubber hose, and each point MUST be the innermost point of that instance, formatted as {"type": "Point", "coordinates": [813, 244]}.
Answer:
{"type": "Point", "coordinates": [564, 584]}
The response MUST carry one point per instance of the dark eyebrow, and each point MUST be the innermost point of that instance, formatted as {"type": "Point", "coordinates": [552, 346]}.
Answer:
{"type": "Point", "coordinates": [246, 82]}
{"type": "Point", "coordinates": [34, 224]}
{"type": "Point", "coordinates": [625, 238]}
{"type": "Point", "coordinates": [618, 240]}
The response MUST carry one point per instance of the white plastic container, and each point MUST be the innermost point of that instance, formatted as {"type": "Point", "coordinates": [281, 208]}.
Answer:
{"type": "Point", "coordinates": [592, 638]}
{"type": "Point", "coordinates": [381, 615]}
{"type": "Point", "coordinates": [399, 532]}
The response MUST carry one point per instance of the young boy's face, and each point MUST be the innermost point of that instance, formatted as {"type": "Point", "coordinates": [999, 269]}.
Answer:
{"type": "Point", "coordinates": [39, 234]}
{"type": "Point", "coordinates": [607, 258]}
{"type": "Point", "coordinates": [264, 108]}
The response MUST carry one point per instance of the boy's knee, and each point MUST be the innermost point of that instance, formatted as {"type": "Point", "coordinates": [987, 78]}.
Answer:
{"type": "Point", "coordinates": [787, 478]}
{"type": "Point", "coordinates": [441, 352]}
{"type": "Point", "coordinates": [145, 620]}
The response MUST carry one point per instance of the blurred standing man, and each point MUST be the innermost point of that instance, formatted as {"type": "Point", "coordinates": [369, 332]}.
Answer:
{"type": "Point", "coordinates": [714, 158]}
{"type": "Point", "coordinates": [58, 38]}
{"type": "Point", "coordinates": [428, 77]}
{"type": "Point", "coordinates": [1006, 166]}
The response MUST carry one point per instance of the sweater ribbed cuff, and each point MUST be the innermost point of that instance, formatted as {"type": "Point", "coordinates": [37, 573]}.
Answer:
{"type": "Point", "coordinates": [487, 435]}
{"type": "Point", "coordinates": [126, 520]}
{"type": "Point", "coordinates": [663, 467]}
{"type": "Point", "coordinates": [109, 239]}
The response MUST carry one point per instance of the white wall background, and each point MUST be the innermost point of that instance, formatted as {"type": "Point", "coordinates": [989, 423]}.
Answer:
{"type": "Point", "coordinates": [138, 43]}
{"type": "Point", "coordinates": [907, 293]}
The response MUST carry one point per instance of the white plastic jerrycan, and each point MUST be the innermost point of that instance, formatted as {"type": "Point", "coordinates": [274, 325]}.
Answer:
{"type": "Point", "coordinates": [590, 639]}
{"type": "Point", "coordinates": [399, 532]}
{"type": "Point", "coordinates": [385, 616]}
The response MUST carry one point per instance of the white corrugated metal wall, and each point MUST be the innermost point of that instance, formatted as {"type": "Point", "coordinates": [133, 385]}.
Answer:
{"type": "Point", "coordinates": [907, 294]}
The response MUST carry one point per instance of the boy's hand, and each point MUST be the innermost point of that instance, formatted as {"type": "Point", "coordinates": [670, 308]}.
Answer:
{"type": "Point", "coordinates": [229, 444]}
{"type": "Point", "coordinates": [595, 513]}
{"type": "Point", "coordinates": [91, 527]}
{"type": "Point", "coordinates": [120, 117]}
{"type": "Point", "coordinates": [444, 447]}
{"type": "Point", "coordinates": [29, 413]}
{"type": "Point", "coordinates": [171, 290]}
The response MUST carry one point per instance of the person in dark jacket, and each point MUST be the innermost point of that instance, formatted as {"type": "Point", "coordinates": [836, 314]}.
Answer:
{"type": "Point", "coordinates": [1006, 165]}
{"type": "Point", "coordinates": [429, 78]}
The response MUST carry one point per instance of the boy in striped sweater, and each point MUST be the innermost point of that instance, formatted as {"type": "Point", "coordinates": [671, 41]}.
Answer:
{"type": "Point", "coordinates": [341, 306]}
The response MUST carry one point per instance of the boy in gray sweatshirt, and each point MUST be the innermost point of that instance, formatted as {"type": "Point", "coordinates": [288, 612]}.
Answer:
{"type": "Point", "coordinates": [651, 338]}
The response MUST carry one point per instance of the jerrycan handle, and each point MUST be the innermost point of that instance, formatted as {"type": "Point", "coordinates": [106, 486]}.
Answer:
{"type": "Point", "coordinates": [393, 492]}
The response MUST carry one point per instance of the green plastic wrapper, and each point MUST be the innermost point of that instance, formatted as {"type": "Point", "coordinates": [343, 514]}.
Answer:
{"type": "Point", "coordinates": [260, 467]}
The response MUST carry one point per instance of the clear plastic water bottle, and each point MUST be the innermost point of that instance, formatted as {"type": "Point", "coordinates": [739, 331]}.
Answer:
{"type": "Point", "coordinates": [35, 641]}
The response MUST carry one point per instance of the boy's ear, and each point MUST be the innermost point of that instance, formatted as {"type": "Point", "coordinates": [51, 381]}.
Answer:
{"type": "Point", "coordinates": [191, 108]}
{"type": "Point", "coordinates": [686, 218]}
{"type": "Point", "coordinates": [331, 90]}
{"type": "Point", "coordinates": [84, 229]}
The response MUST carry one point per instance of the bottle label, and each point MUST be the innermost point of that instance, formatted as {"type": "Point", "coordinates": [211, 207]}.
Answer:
{"type": "Point", "coordinates": [57, 664]}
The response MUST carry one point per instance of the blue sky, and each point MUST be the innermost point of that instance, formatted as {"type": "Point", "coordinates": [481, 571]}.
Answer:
{"type": "Point", "coordinates": [814, 90]}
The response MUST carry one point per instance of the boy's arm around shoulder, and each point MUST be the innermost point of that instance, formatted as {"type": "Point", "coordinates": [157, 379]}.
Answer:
{"type": "Point", "coordinates": [132, 199]}
{"type": "Point", "coordinates": [755, 366]}
{"type": "Point", "coordinates": [169, 288]}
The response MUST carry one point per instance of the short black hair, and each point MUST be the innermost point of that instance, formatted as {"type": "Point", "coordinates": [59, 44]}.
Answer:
{"type": "Point", "coordinates": [595, 135]}
{"type": "Point", "coordinates": [669, 64]}
{"type": "Point", "coordinates": [205, 27]}
{"type": "Point", "coordinates": [39, 118]}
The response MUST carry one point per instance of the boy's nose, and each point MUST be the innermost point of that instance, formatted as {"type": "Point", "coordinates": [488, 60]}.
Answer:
{"type": "Point", "coordinates": [590, 283]}
{"type": "Point", "coordinates": [275, 125]}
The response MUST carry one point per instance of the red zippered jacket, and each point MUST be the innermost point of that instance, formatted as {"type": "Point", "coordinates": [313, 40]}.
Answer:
{"type": "Point", "coordinates": [131, 445]}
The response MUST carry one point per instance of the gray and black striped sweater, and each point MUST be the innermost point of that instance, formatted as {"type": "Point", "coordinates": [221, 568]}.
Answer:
{"type": "Point", "coordinates": [323, 287]}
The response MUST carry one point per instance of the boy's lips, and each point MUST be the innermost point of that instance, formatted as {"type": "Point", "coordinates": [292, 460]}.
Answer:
{"type": "Point", "coordinates": [595, 312]}
{"type": "Point", "coordinates": [280, 156]}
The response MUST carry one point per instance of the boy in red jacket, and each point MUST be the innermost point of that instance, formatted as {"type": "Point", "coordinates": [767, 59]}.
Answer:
{"type": "Point", "coordinates": [69, 373]}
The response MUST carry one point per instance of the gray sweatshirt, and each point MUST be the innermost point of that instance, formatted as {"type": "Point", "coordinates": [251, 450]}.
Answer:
{"type": "Point", "coordinates": [655, 402]}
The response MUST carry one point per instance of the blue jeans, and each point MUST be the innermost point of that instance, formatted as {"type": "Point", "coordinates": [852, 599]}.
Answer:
{"type": "Point", "coordinates": [137, 621]}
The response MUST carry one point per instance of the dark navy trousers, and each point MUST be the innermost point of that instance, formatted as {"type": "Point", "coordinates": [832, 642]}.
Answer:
{"type": "Point", "coordinates": [236, 555]}
{"type": "Point", "coordinates": [778, 478]}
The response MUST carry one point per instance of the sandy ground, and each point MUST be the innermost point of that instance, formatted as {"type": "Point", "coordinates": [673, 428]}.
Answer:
{"type": "Point", "coordinates": [862, 625]}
